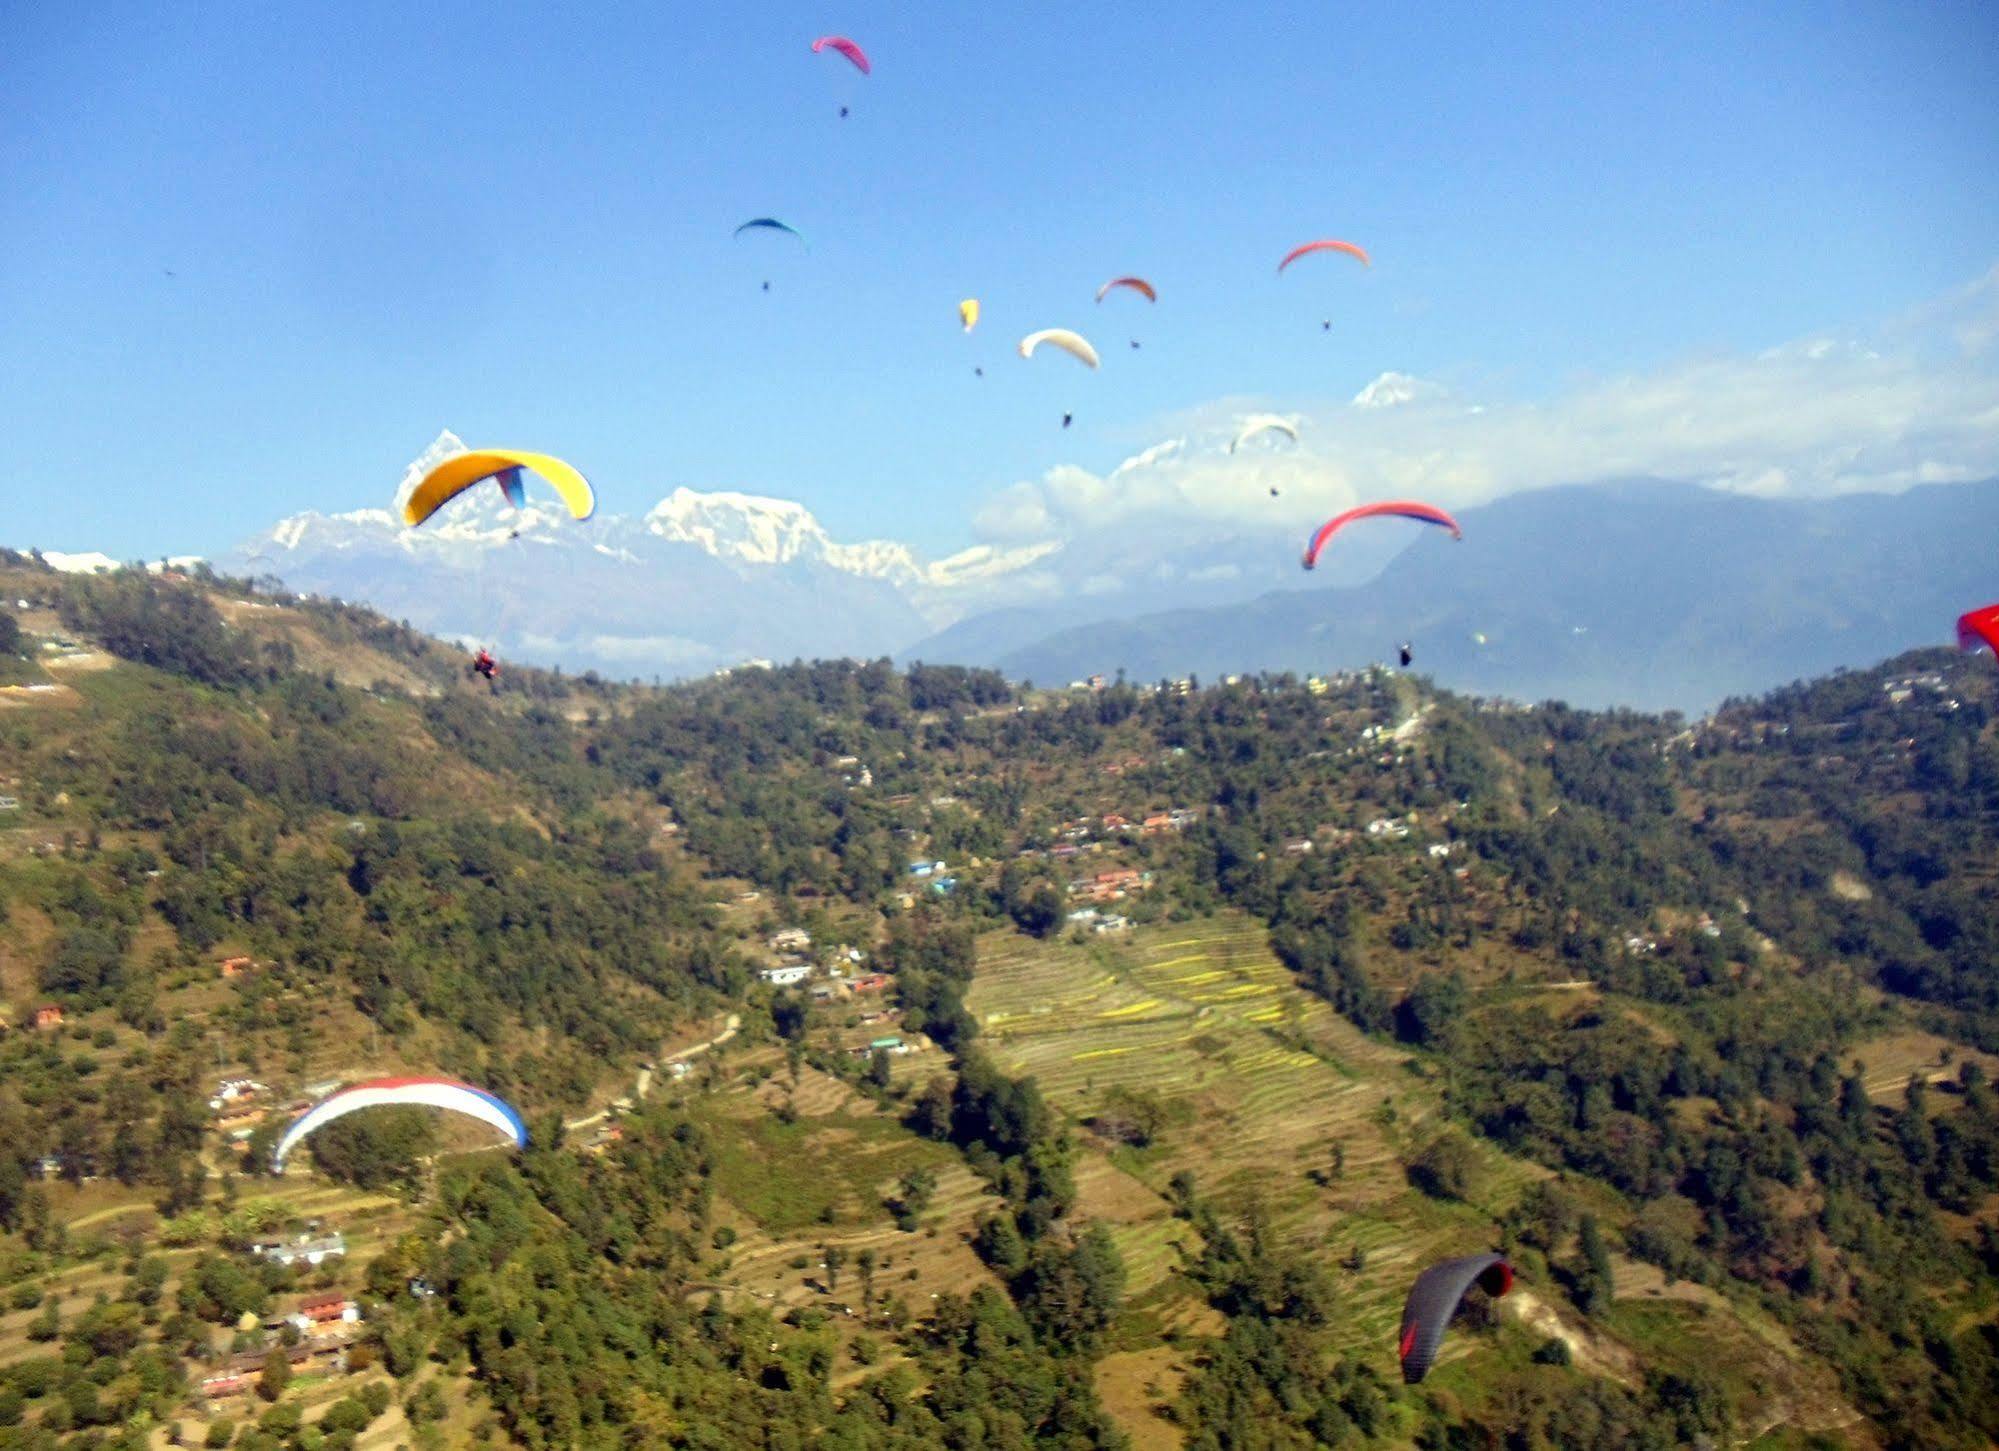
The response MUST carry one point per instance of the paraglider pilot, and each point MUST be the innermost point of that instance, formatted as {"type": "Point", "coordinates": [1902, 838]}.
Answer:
{"type": "Point", "coordinates": [484, 664]}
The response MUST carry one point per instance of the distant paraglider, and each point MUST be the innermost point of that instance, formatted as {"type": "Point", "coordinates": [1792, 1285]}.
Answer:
{"type": "Point", "coordinates": [1396, 508]}
{"type": "Point", "coordinates": [845, 47]}
{"type": "Point", "coordinates": [444, 1093]}
{"type": "Point", "coordinates": [455, 473]}
{"type": "Point", "coordinates": [1261, 423]}
{"type": "Point", "coordinates": [1979, 628]}
{"type": "Point", "coordinates": [1074, 344]}
{"type": "Point", "coordinates": [1406, 653]}
{"type": "Point", "coordinates": [1325, 245]}
{"type": "Point", "coordinates": [840, 45]}
{"type": "Point", "coordinates": [1137, 284]}
{"type": "Point", "coordinates": [1435, 1297]}
{"type": "Point", "coordinates": [771, 224]}
{"type": "Point", "coordinates": [968, 313]}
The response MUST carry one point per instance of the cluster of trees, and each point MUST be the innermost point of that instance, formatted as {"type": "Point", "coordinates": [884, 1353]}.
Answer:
{"type": "Point", "coordinates": [566, 1283]}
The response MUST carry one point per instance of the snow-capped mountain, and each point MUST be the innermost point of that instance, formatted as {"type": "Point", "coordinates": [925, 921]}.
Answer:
{"type": "Point", "coordinates": [700, 581]}
{"type": "Point", "coordinates": [759, 530]}
{"type": "Point", "coordinates": [706, 579]}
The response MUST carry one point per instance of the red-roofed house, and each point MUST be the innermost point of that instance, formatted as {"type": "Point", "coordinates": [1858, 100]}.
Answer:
{"type": "Point", "coordinates": [235, 966]}
{"type": "Point", "coordinates": [329, 1308]}
{"type": "Point", "coordinates": [48, 1016]}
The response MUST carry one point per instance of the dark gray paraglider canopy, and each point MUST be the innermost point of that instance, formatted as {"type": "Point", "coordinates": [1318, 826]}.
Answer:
{"type": "Point", "coordinates": [1434, 1298]}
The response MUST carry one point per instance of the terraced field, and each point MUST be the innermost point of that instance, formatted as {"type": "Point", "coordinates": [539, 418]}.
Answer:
{"type": "Point", "coordinates": [789, 1189]}
{"type": "Point", "coordinates": [1205, 1017]}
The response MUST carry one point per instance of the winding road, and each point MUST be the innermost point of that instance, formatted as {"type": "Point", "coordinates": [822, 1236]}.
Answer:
{"type": "Point", "coordinates": [642, 1085]}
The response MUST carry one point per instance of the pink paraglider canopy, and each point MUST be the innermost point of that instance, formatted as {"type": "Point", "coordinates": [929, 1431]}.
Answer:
{"type": "Point", "coordinates": [847, 48]}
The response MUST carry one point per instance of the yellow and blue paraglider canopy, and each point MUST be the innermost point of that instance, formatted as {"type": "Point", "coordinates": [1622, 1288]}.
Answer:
{"type": "Point", "coordinates": [454, 475]}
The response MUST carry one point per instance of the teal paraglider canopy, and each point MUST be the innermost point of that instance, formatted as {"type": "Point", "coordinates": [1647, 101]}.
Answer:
{"type": "Point", "coordinates": [771, 224]}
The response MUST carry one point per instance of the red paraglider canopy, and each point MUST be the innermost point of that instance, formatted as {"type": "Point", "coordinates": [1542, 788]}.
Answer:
{"type": "Point", "coordinates": [1979, 627]}
{"type": "Point", "coordinates": [1394, 508]}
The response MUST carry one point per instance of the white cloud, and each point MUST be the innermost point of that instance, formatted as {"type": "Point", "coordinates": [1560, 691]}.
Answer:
{"type": "Point", "coordinates": [1393, 390]}
{"type": "Point", "coordinates": [1828, 414]}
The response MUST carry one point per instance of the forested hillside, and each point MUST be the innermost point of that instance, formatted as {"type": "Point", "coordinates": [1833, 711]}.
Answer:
{"type": "Point", "coordinates": [913, 1060]}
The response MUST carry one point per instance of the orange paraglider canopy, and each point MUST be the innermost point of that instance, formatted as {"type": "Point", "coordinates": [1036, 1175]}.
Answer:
{"type": "Point", "coordinates": [1325, 245]}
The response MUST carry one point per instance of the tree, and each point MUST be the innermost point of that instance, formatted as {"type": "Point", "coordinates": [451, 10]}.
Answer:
{"type": "Point", "coordinates": [866, 1260]}
{"type": "Point", "coordinates": [377, 1148]}
{"type": "Point", "coordinates": [277, 1374]}
{"type": "Point", "coordinates": [1594, 1280]}
{"type": "Point", "coordinates": [1444, 1169]}
{"type": "Point", "coordinates": [86, 963]}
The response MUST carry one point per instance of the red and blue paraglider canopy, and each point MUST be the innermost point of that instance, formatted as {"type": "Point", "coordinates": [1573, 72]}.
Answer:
{"type": "Point", "coordinates": [1387, 508]}
{"type": "Point", "coordinates": [445, 1093]}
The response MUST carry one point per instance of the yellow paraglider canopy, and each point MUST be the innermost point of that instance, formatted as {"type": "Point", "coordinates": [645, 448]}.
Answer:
{"type": "Point", "coordinates": [461, 471]}
{"type": "Point", "coordinates": [968, 313]}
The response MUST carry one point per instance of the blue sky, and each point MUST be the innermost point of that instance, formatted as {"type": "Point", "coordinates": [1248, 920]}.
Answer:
{"type": "Point", "coordinates": [514, 221]}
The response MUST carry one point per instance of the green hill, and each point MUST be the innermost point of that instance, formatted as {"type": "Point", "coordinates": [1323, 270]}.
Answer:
{"type": "Point", "coordinates": [1228, 1009]}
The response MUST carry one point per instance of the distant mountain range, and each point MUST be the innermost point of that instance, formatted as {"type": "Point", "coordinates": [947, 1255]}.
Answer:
{"type": "Point", "coordinates": [1640, 592]}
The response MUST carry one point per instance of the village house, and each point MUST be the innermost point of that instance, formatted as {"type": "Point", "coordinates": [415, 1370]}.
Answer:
{"type": "Point", "coordinates": [786, 973]}
{"type": "Point", "coordinates": [1112, 923]}
{"type": "Point", "coordinates": [305, 1250]}
{"type": "Point", "coordinates": [874, 982]}
{"type": "Point", "coordinates": [791, 939]}
{"type": "Point", "coordinates": [235, 966]}
{"type": "Point", "coordinates": [1298, 846]}
{"type": "Point", "coordinates": [1440, 849]}
{"type": "Point", "coordinates": [1158, 821]}
{"type": "Point", "coordinates": [48, 1016]}
{"type": "Point", "coordinates": [231, 1090]}
{"type": "Point", "coordinates": [321, 1312]}
{"type": "Point", "coordinates": [1114, 822]}
{"type": "Point", "coordinates": [238, 1121]}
